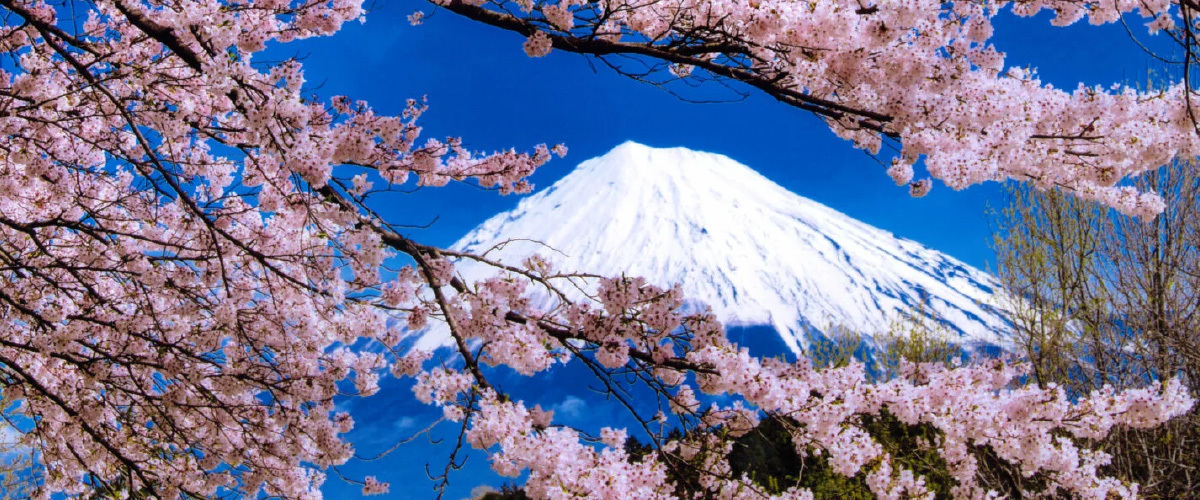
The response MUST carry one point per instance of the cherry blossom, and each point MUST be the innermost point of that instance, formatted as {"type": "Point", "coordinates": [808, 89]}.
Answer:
{"type": "Point", "coordinates": [194, 275]}
{"type": "Point", "coordinates": [973, 406]}
{"type": "Point", "coordinates": [921, 73]}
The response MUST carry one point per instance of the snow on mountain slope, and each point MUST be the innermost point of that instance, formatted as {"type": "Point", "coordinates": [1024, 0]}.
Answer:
{"type": "Point", "coordinates": [755, 252]}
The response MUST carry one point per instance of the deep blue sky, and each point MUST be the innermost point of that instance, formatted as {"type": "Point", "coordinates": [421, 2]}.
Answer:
{"type": "Point", "coordinates": [482, 87]}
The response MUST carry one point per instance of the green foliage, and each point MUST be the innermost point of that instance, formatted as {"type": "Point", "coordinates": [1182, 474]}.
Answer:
{"type": "Point", "coordinates": [840, 346]}
{"type": "Point", "coordinates": [768, 456]}
{"type": "Point", "coordinates": [915, 337]}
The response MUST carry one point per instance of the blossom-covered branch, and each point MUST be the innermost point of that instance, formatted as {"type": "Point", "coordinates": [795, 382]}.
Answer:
{"type": "Point", "coordinates": [193, 273]}
{"type": "Point", "coordinates": [1037, 430]}
{"type": "Point", "coordinates": [922, 73]}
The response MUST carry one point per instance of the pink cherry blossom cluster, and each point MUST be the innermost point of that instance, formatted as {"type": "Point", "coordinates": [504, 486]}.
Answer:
{"type": "Point", "coordinates": [193, 273]}
{"type": "Point", "coordinates": [923, 73]}
{"type": "Point", "coordinates": [633, 327]}
{"type": "Point", "coordinates": [187, 255]}
{"type": "Point", "coordinates": [560, 466]}
{"type": "Point", "coordinates": [372, 486]}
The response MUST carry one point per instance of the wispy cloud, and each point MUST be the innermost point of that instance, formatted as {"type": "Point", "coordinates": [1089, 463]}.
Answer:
{"type": "Point", "coordinates": [479, 491]}
{"type": "Point", "coordinates": [571, 407]}
{"type": "Point", "coordinates": [405, 423]}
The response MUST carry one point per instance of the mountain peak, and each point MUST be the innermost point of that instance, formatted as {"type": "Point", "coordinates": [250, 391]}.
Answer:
{"type": "Point", "coordinates": [756, 253]}
{"type": "Point", "coordinates": [631, 147]}
{"type": "Point", "coordinates": [651, 164]}
{"type": "Point", "coordinates": [637, 151]}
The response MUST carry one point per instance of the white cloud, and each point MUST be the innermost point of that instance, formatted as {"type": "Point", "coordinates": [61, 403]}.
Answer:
{"type": "Point", "coordinates": [481, 490]}
{"type": "Point", "coordinates": [572, 407]}
{"type": "Point", "coordinates": [405, 423]}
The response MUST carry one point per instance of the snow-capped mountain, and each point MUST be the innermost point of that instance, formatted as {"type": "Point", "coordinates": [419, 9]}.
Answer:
{"type": "Point", "coordinates": [753, 251]}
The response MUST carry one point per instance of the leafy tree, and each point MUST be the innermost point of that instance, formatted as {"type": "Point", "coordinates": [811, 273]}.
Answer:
{"type": "Point", "coordinates": [194, 272]}
{"type": "Point", "coordinates": [1101, 299]}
